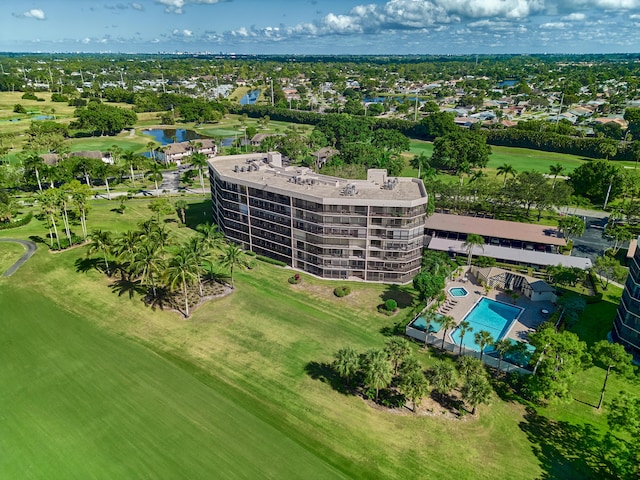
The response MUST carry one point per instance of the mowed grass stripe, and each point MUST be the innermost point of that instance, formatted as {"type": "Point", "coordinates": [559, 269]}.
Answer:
{"type": "Point", "coordinates": [81, 403]}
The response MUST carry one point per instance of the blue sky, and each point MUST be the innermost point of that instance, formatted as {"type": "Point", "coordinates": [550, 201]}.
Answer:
{"type": "Point", "coordinates": [321, 26]}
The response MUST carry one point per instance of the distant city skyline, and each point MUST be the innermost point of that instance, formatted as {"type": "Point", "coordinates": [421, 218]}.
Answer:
{"type": "Point", "coordinates": [322, 27]}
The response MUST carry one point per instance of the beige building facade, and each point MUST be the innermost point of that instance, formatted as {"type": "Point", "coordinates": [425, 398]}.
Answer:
{"type": "Point", "coordinates": [334, 228]}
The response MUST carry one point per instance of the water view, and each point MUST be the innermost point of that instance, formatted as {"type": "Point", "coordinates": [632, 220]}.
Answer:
{"type": "Point", "coordinates": [166, 136]}
{"type": "Point", "coordinates": [250, 98]}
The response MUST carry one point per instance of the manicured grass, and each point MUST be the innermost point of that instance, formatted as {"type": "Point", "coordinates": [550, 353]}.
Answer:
{"type": "Point", "coordinates": [9, 253]}
{"type": "Point", "coordinates": [266, 342]}
{"type": "Point", "coordinates": [79, 402]}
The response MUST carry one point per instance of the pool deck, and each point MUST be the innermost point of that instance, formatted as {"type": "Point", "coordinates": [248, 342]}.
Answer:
{"type": "Point", "coordinates": [527, 322]}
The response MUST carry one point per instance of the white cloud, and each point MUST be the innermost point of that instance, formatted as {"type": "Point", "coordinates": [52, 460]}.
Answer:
{"type": "Point", "coordinates": [36, 13]}
{"type": "Point", "coordinates": [553, 25]}
{"type": "Point", "coordinates": [574, 17]}
{"type": "Point", "coordinates": [177, 6]}
{"type": "Point", "coordinates": [137, 6]}
{"type": "Point", "coordinates": [491, 8]}
{"type": "Point", "coordinates": [182, 33]}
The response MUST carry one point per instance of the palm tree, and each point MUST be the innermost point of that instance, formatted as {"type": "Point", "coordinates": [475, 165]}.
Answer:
{"type": "Point", "coordinates": [413, 384]}
{"type": "Point", "coordinates": [442, 376]}
{"type": "Point", "coordinates": [198, 248]}
{"type": "Point", "coordinates": [35, 161]}
{"type": "Point", "coordinates": [464, 327]}
{"type": "Point", "coordinates": [101, 240]}
{"type": "Point", "coordinates": [377, 370]}
{"type": "Point", "coordinates": [151, 146]}
{"type": "Point", "coordinates": [181, 205]}
{"type": "Point", "coordinates": [483, 339]}
{"type": "Point", "coordinates": [555, 170]}
{"type": "Point", "coordinates": [506, 169]}
{"type": "Point", "coordinates": [131, 159]}
{"type": "Point", "coordinates": [346, 363]}
{"type": "Point", "coordinates": [148, 263]}
{"type": "Point", "coordinates": [397, 349]}
{"type": "Point", "coordinates": [49, 206]}
{"type": "Point", "coordinates": [155, 174]}
{"type": "Point", "coordinates": [446, 323]}
{"type": "Point", "coordinates": [199, 160]}
{"type": "Point", "coordinates": [61, 196]}
{"type": "Point", "coordinates": [211, 233]}
{"type": "Point", "coordinates": [126, 245]}
{"type": "Point", "coordinates": [476, 390]}
{"type": "Point", "coordinates": [80, 194]}
{"type": "Point", "coordinates": [473, 240]}
{"type": "Point", "coordinates": [503, 347]}
{"type": "Point", "coordinates": [470, 366]}
{"type": "Point", "coordinates": [231, 257]}
{"type": "Point", "coordinates": [428, 316]}
{"type": "Point", "coordinates": [181, 270]}
{"type": "Point", "coordinates": [420, 161]}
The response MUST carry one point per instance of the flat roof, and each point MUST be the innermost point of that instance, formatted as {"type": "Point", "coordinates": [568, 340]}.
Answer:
{"type": "Point", "coordinates": [488, 227]}
{"type": "Point", "coordinates": [255, 170]}
{"type": "Point", "coordinates": [510, 254]}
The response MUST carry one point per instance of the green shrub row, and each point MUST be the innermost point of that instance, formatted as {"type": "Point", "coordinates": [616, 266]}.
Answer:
{"type": "Point", "coordinates": [271, 261]}
{"type": "Point", "coordinates": [23, 221]}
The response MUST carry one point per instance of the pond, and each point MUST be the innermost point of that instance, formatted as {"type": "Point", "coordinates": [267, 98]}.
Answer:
{"type": "Point", "coordinates": [166, 136]}
{"type": "Point", "coordinates": [250, 98]}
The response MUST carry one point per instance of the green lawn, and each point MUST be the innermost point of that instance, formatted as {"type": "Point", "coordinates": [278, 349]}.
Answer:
{"type": "Point", "coordinates": [100, 386]}
{"type": "Point", "coordinates": [79, 402]}
{"type": "Point", "coordinates": [9, 253]}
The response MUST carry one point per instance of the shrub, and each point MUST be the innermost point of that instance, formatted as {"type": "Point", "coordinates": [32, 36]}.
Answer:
{"type": "Point", "coordinates": [272, 261]}
{"type": "Point", "coordinates": [250, 253]}
{"type": "Point", "coordinates": [29, 96]}
{"type": "Point", "coordinates": [18, 223]}
{"type": "Point", "coordinates": [58, 97]}
{"type": "Point", "coordinates": [295, 280]}
{"type": "Point", "coordinates": [342, 291]}
{"type": "Point", "coordinates": [391, 305]}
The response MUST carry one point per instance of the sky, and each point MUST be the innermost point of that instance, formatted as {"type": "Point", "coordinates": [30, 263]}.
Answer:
{"type": "Point", "coordinates": [321, 26]}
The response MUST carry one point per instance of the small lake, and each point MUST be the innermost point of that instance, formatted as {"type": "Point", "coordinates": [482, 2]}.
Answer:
{"type": "Point", "coordinates": [507, 83]}
{"type": "Point", "coordinates": [250, 98]}
{"type": "Point", "coordinates": [165, 135]}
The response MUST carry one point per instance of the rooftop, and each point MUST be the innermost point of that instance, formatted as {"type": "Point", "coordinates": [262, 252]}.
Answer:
{"type": "Point", "coordinates": [511, 254]}
{"type": "Point", "coordinates": [265, 170]}
{"type": "Point", "coordinates": [488, 227]}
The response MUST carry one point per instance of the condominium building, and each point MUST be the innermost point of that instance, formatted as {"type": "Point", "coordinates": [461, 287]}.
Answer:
{"type": "Point", "coordinates": [331, 227]}
{"type": "Point", "coordinates": [626, 327]}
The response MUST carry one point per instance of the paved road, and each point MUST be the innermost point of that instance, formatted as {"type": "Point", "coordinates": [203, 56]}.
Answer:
{"type": "Point", "coordinates": [31, 249]}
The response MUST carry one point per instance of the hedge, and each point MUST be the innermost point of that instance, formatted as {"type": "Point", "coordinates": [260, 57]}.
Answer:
{"type": "Point", "coordinates": [23, 221]}
{"type": "Point", "coordinates": [271, 261]}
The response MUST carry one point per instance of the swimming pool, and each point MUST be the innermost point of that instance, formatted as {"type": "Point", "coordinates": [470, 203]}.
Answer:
{"type": "Point", "coordinates": [458, 292]}
{"type": "Point", "coordinates": [489, 315]}
{"type": "Point", "coordinates": [420, 324]}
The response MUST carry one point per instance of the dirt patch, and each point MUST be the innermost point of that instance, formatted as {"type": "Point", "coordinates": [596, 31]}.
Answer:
{"type": "Point", "coordinates": [174, 301]}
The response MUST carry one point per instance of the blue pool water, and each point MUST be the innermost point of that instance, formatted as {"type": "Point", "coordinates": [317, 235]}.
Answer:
{"type": "Point", "coordinates": [420, 324]}
{"type": "Point", "coordinates": [491, 316]}
{"type": "Point", "coordinates": [458, 292]}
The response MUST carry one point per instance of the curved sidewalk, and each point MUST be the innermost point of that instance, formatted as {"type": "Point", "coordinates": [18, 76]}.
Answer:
{"type": "Point", "coordinates": [31, 249]}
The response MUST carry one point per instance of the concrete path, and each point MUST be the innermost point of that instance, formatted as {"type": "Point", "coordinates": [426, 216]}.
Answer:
{"type": "Point", "coordinates": [28, 245]}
